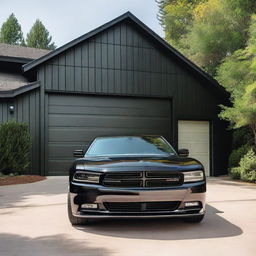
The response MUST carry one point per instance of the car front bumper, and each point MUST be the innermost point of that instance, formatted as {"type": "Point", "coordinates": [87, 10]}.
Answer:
{"type": "Point", "coordinates": [96, 194]}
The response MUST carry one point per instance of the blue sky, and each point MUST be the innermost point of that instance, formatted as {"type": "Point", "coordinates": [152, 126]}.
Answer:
{"type": "Point", "coordinates": [66, 20]}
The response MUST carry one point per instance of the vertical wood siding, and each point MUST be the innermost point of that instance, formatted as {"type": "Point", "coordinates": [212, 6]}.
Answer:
{"type": "Point", "coordinates": [26, 111]}
{"type": "Point", "coordinates": [122, 60]}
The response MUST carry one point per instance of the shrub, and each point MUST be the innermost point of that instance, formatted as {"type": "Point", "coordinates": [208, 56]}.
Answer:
{"type": "Point", "coordinates": [237, 154]}
{"type": "Point", "coordinates": [15, 144]}
{"type": "Point", "coordinates": [247, 167]}
{"type": "Point", "coordinates": [242, 136]}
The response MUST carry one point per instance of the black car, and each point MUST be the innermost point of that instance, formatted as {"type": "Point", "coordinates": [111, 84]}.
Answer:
{"type": "Point", "coordinates": [135, 177]}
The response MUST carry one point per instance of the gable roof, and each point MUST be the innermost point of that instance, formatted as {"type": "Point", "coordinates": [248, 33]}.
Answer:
{"type": "Point", "coordinates": [130, 17]}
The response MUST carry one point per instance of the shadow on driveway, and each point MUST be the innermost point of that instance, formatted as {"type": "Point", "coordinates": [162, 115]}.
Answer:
{"type": "Point", "coordinates": [213, 226]}
{"type": "Point", "coordinates": [15, 195]}
{"type": "Point", "coordinates": [57, 245]}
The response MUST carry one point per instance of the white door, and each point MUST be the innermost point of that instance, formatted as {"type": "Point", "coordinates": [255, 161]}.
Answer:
{"type": "Point", "coordinates": [195, 136]}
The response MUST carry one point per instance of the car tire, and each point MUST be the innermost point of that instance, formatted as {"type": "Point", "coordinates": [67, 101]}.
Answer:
{"type": "Point", "coordinates": [76, 220]}
{"type": "Point", "coordinates": [194, 219]}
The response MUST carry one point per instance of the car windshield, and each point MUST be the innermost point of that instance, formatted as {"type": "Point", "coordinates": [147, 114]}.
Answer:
{"type": "Point", "coordinates": [130, 145]}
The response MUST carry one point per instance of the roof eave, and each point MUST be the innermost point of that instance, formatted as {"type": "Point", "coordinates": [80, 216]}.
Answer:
{"type": "Point", "coordinates": [20, 90]}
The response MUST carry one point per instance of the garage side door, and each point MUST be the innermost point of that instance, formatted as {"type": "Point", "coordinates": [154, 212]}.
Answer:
{"type": "Point", "coordinates": [74, 121]}
{"type": "Point", "coordinates": [195, 136]}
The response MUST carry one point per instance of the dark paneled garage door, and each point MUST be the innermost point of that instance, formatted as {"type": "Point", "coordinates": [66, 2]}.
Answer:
{"type": "Point", "coordinates": [75, 120]}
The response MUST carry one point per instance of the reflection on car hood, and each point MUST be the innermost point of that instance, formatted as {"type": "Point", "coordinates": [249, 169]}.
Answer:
{"type": "Point", "coordinates": [139, 161]}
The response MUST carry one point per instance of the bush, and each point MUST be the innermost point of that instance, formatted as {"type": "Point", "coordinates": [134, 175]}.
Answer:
{"type": "Point", "coordinates": [236, 155]}
{"type": "Point", "coordinates": [247, 167]}
{"type": "Point", "coordinates": [15, 144]}
{"type": "Point", "coordinates": [242, 136]}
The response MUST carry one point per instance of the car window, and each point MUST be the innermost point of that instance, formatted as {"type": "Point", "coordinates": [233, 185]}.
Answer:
{"type": "Point", "coordinates": [131, 145]}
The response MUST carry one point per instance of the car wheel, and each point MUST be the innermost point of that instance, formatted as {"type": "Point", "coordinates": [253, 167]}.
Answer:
{"type": "Point", "coordinates": [76, 220]}
{"type": "Point", "coordinates": [194, 219]}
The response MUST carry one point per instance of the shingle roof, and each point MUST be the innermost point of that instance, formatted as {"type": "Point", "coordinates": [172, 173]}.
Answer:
{"type": "Point", "coordinates": [18, 51]}
{"type": "Point", "coordinates": [11, 81]}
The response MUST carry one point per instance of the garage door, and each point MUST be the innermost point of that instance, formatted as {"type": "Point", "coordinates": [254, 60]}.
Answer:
{"type": "Point", "coordinates": [75, 120]}
{"type": "Point", "coordinates": [194, 135]}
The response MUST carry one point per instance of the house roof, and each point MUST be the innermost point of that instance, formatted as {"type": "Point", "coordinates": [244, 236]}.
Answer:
{"type": "Point", "coordinates": [11, 81]}
{"type": "Point", "coordinates": [22, 53]}
{"type": "Point", "coordinates": [13, 92]}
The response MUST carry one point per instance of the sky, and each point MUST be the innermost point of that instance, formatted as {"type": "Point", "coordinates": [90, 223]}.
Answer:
{"type": "Point", "coordinates": [67, 20]}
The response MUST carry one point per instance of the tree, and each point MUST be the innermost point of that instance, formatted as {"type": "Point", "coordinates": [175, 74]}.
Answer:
{"type": "Point", "coordinates": [11, 32]}
{"type": "Point", "coordinates": [38, 37]}
{"type": "Point", "coordinates": [238, 74]}
{"type": "Point", "coordinates": [176, 17]}
{"type": "Point", "coordinates": [219, 29]}
{"type": "Point", "coordinates": [206, 31]}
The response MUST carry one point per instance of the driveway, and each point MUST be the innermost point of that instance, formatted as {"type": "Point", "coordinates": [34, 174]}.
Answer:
{"type": "Point", "coordinates": [33, 221]}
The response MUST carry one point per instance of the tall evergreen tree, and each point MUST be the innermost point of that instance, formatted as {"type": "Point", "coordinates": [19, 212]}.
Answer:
{"type": "Point", "coordinates": [39, 37]}
{"type": "Point", "coordinates": [10, 32]}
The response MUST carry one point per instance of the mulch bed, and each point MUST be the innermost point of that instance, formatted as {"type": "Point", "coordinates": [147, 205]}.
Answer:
{"type": "Point", "coordinates": [22, 179]}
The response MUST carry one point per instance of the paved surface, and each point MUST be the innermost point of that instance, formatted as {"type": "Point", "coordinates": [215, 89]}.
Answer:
{"type": "Point", "coordinates": [33, 222]}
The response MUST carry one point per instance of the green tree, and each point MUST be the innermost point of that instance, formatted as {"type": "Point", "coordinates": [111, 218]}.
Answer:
{"type": "Point", "coordinates": [238, 74]}
{"type": "Point", "coordinates": [219, 28]}
{"type": "Point", "coordinates": [39, 37]}
{"type": "Point", "coordinates": [206, 31]}
{"type": "Point", "coordinates": [176, 17]}
{"type": "Point", "coordinates": [10, 32]}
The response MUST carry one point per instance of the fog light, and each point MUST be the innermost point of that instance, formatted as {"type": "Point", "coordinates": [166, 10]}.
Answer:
{"type": "Point", "coordinates": [89, 206]}
{"type": "Point", "coordinates": [191, 204]}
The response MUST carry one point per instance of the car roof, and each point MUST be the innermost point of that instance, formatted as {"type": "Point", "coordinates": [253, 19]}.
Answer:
{"type": "Point", "coordinates": [130, 135]}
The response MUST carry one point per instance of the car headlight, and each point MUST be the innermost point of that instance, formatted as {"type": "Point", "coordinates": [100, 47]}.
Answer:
{"type": "Point", "coordinates": [87, 177]}
{"type": "Point", "coordinates": [193, 176]}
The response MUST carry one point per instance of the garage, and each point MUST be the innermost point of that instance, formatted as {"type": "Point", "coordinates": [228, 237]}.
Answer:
{"type": "Point", "coordinates": [120, 78]}
{"type": "Point", "coordinates": [75, 120]}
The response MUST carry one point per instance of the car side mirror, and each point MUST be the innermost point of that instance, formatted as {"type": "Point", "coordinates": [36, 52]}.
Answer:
{"type": "Point", "coordinates": [183, 152]}
{"type": "Point", "coordinates": [78, 153]}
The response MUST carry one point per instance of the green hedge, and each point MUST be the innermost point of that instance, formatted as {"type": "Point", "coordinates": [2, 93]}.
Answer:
{"type": "Point", "coordinates": [247, 168]}
{"type": "Point", "coordinates": [15, 145]}
{"type": "Point", "coordinates": [237, 154]}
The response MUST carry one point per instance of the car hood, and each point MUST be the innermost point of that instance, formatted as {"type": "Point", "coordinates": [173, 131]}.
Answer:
{"type": "Point", "coordinates": [170, 162]}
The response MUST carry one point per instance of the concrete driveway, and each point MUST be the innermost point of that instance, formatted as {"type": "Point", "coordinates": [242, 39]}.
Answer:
{"type": "Point", "coordinates": [33, 221]}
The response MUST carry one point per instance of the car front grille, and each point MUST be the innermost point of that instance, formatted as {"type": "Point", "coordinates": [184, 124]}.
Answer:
{"type": "Point", "coordinates": [141, 206]}
{"type": "Point", "coordinates": [143, 179]}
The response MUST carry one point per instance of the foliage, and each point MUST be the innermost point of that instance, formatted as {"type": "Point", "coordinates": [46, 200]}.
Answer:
{"type": "Point", "coordinates": [241, 136]}
{"type": "Point", "coordinates": [176, 17]}
{"type": "Point", "coordinates": [247, 167]}
{"type": "Point", "coordinates": [39, 37]}
{"type": "Point", "coordinates": [11, 32]}
{"type": "Point", "coordinates": [237, 154]}
{"type": "Point", "coordinates": [15, 144]}
{"type": "Point", "coordinates": [206, 31]}
{"type": "Point", "coordinates": [241, 84]}
{"type": "Point", "coordinates": [219, 28]}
